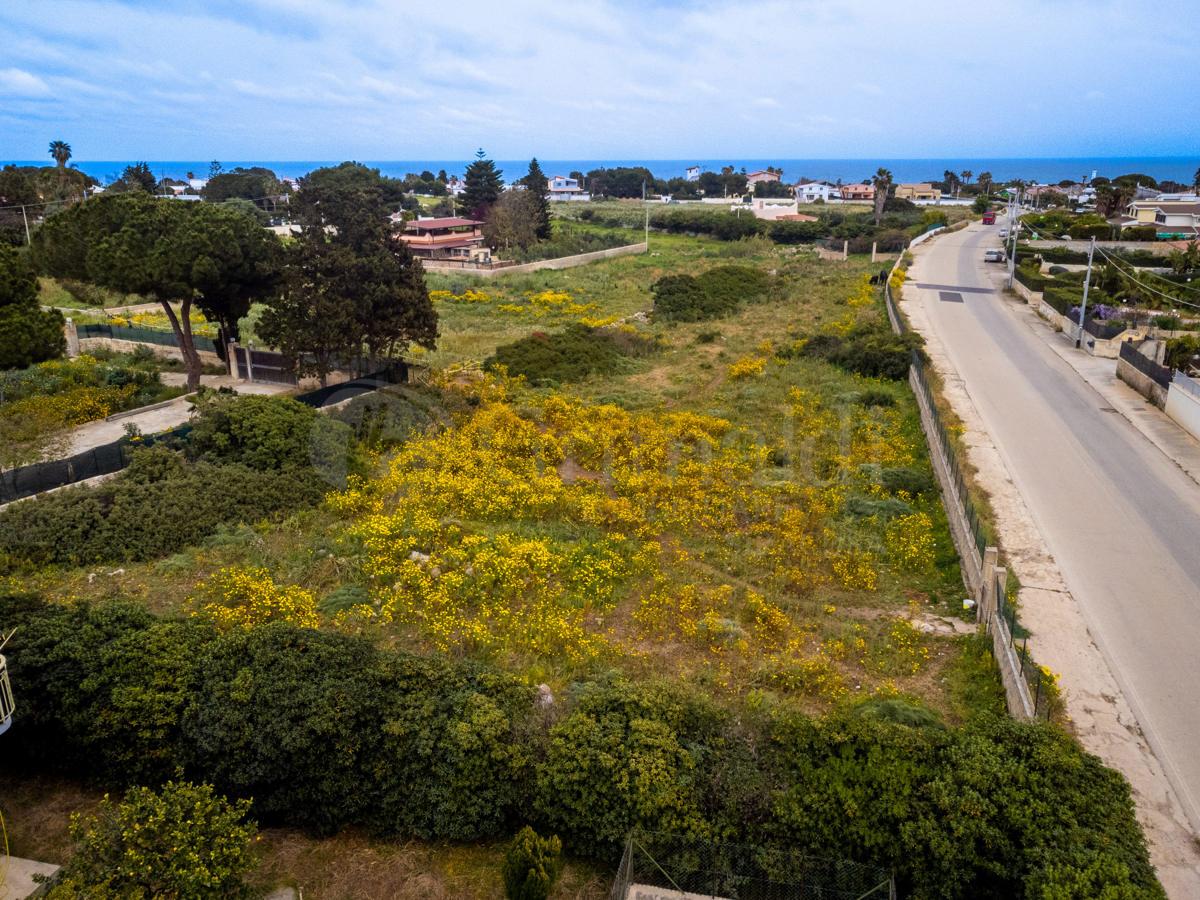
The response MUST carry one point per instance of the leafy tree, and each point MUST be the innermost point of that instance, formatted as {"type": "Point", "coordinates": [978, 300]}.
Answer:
{"type": "Point", "coordinates": [313, 318]}
{"type": "Point", "coordinates": [514, 219]}
{"type": "Point", "coordinates": [1112, 198]}
{"type": "Point", "coordinates": [883, 186]}
{"type": "Point", "coordinates": [345, 209]}
{"type": "Point", "coordinates": [1187, 260]}
{"type": "Point", "coordinates": [442, 176]}
{"type": "Point", "coordinates": [214, 169]}
{"type": "Point", "coordinates": [773, 189]}
{"type": "Point", "coordinates": [186, 253]}
{"type": "Point", "coordinates": [255, 184]}
{"type": "Point", "coordinates": [246, 208]}
{"type": "Point", "coordinates": [183, 841]}
{"type": "Point", "coordinates": [536, 184]}
{"type": "Point", "coordinates": [531, 865]}
{"type": "Point", "coordinates": [28, 334]}
{"type": "Point", "coordinates": [61, 151]}
{"type": "Point", "coordinates": [136, 177]}
{"type": "Point", "coordinates": [1134, 179]}
{"type": "Point", "coordinates": [482, 185]}
{"type": "Point", "coordinates": [621, 181]}
{"type": "Point", "coordinates": [1196, 181]}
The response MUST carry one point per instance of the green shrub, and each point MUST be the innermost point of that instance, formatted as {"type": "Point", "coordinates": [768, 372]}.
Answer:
{"type": "Point", "coordinates": [326, 730]}
{"type": "Point", "coordinates": [874, 397]}
{"type": "Point", "coordinates": [902, 479]}
{"type": "Point", "coordinates": [785, 232]}
{"type": "Point", "coordinates": [180, 841]}
{"type": "Point", "coordinates": [108, 522]}
{"type": "Point", "coordinates": [714, 293]}
{"type": "Point", "coordinates": [870, 349]}
{"type": "Point", "coordinates": [569, 355]}
{"type": "Point", "coordinates": [1061, 297]}
{"type": "Point", "coordinates": [1031, 277]}
{"type": "Point", "coordinates": [531, 865]}
{"type": "Point", "coordinates": [1140, 233]}
{"type": "Point", "coordinates": [1182, 351]}
{"type": "Point", "coordinates": [267, 433]}
{"type": "Point", "coordinates": [720, 224]}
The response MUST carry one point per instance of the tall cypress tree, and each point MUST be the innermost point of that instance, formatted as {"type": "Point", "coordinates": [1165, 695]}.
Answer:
{"type": "Point", "coordinates": [537, 185]}
{"type": "Point", "coordinates": [482, 185]}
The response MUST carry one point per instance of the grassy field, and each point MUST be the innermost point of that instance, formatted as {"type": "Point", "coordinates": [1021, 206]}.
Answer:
{"type": "Point", "coordinates": [790, 583]}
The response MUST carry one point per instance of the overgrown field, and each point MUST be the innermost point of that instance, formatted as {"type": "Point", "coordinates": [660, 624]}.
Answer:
{"type": "Point", "coordinates": [654, 543]}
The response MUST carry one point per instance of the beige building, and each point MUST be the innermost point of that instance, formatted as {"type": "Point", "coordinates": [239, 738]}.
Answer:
{"type": "Point", "coordinates": [919, 191]}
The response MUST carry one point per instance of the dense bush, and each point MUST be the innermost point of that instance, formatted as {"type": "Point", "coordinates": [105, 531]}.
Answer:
{"type": "Point", "coordinates": [1061, 298]}
{"type": "Point", "coordinates": [569, 355]}
{"type": "Point", "coordinates": [182, 841]}
{"type": "Point", "coordinates": [1182, 352]}
{"type": "Point", "coordinates": [785, 232]}
{"type": "Point", "coordinates": [718, 223]}
{"type": "Point", "coordinates": [267, 433]}
{"type": "Point", "coordinates": [109, 522]}
{"type": "Point", "coordinates": [327, 730]}
{"type": "Point", "coordinates": [869, 349]}
{"type": "Point", "coordinates": [1031, 277]}
{"type": "Point", "coordinates": [717, 292]}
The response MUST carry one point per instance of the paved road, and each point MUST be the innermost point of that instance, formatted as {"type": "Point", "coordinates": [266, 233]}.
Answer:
{"type": "Point", "coordinates": [1121, 519]}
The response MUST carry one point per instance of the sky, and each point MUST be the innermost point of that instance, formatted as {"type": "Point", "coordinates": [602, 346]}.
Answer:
{"type": "Point", "coordinates": [598, 79]}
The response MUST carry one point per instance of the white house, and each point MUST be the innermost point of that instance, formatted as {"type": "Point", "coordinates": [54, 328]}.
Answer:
{"type": "Point", "coordinates": [812, 191]}
{"type": "Point", "coordinates": [692, 173]}
{"type": "Point", "coordinates": [562, 188]}
{"type": "Point", "coordinates": [455, 186]}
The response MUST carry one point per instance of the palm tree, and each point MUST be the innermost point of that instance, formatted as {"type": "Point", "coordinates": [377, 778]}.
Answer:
{"type": "Point", "coordinates": [883, 183]}
{"type": "Point", "coordinates": [966, 176]}
{"type": "Point", "coordinates": [61, 151]}
{"type": "Point", "coordinates": [985, 181]}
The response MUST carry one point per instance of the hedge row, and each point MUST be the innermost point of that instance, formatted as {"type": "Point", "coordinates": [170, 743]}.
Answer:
{"type": "Point", "coordinates": [328, 730]}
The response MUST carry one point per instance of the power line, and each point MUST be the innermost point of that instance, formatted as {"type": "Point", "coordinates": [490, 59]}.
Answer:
{"type": "Point", "coordinates": [1140, 284]}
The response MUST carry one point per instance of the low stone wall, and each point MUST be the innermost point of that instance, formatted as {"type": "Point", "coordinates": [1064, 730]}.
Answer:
{"type": "Point", "coordinates": [562, 262]}
{"type": "Point", "coordinates": [160, 350]}
{"type": "Point", "coordinates": [1142, 383]}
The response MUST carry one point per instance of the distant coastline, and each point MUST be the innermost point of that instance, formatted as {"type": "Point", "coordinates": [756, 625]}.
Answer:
{"type": "Point", "coordinates": [1045, 170]}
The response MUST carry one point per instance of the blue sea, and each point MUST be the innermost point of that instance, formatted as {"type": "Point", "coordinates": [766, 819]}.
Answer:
{"type": "Point", "coordinates": [1043, 170]}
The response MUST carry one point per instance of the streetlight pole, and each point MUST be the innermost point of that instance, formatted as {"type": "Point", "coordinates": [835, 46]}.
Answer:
{"type": "Point", "coordinates": [1087, 280]}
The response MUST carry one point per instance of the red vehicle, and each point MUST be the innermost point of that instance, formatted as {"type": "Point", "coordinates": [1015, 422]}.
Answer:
{"type": "Point", "coordinates": [989, 217]}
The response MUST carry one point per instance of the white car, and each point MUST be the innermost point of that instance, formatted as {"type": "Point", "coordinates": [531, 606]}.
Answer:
{"type": "Point", "coordinates": [1003, 233]}
{"type": "Point", "coordinates": [993, 256]}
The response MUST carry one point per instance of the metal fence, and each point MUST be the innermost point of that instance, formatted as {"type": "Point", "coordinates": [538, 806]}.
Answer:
{"type": "Point", "coordinates": [1035, 678]}
{"type": "Point", "coordinates": [263, 365]}
{"type": "Point", "coordinates": [1104, 330]}
{"type": "Point", "coordinates": [1185, 383]}
{"type": "Point", "coordinates": [1160, 375]}
{"type": "Point", "coordinates": [143, 336]}
{"type": "Point", "coordinates": [660, 866]}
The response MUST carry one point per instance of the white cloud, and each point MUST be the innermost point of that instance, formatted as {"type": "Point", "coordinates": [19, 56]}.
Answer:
{"type": "Point", "coordinates": [387, 79]}
{"type": "Point", "coordinates": [19, 83]}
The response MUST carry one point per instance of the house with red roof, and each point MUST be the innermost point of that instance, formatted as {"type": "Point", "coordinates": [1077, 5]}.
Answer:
{"type": "Point", "coordinates": [451, 237]}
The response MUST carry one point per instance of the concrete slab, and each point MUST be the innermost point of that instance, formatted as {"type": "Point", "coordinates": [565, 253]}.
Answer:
{"type": "Point", "coordinates": [16, 876]}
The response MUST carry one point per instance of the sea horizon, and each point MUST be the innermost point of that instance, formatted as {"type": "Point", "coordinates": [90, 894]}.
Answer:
{"type": "Point", "coordinates": [847, 169]}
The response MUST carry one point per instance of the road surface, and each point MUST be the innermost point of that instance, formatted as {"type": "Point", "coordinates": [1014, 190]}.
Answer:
{"type": "Point", "coordinates": [1120, 518]}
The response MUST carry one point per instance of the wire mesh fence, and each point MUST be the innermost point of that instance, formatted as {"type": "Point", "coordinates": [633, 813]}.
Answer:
{"type": "Point", "coordinates": [137, 335]}
{"type": "Point", "coordinates": [663, 866]}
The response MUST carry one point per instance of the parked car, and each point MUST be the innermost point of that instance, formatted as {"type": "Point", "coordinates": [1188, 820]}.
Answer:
{"type": "Point", "coordinates": [993, 256]}
{"type": "Point", "coordinates": [1003, 233]}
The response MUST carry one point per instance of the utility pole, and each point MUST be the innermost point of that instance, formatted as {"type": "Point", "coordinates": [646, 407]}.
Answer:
{"type": "Point", "coordinates": [1087, 280]}
{"type": "Point", "coordinates": [1012, 220]}
{"type": "Point", "coordinates": [646, 210]}
{"type": "Point", "coordinates": [28, 239]}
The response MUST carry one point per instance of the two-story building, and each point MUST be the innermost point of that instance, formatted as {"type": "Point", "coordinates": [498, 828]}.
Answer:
{"type": "Point", "coordinates": [755, 177]}
{"type": "Point", "coordinates": [562, 188]}
{"type": "Point", "coordinates": [446, 238]}
{"type": "Point", "coordinates": [858, 193]}
{"type": "Point", "coordinates": [922, 190]}
{"type": "Point", "coordinates": [692, 173]}
{"type": "Point", "coordinates": [1171, 218]}
{"type": "Point", "coordinates": [813, 191]}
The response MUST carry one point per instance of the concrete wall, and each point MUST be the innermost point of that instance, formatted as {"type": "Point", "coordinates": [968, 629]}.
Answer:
{"type": "Point", "coordinates": [562, 262]}
{"type": "Point", "coordinates": [1031, 297]}
{"type": "Point", "coordinates": [1143, 384]}
{"type": "Point", "coordinates": [1183, 403]}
